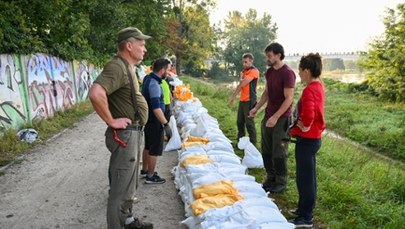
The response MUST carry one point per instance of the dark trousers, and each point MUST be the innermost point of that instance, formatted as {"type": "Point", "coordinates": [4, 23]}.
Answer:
{"type": "Point", "coordinates": [305, 152]}
{"type": "Point", "coordinates": [168, 112]}
{"type": "Point", "coordinates": [275, 151]}
{"type": "Point", "coordinates": [243, 121]}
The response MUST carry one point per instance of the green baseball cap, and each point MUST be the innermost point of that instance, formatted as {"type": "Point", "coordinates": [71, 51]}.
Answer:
{"type": "Point", "coordinates": [131, 32]}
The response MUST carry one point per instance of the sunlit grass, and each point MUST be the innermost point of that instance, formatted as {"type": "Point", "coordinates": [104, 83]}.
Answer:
{"type": "Point", "coordinates": [356, 187]}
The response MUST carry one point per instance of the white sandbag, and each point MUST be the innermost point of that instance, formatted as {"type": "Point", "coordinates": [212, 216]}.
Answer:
{"type": "Point", "coordinates": [207, 179]}
{"type": "Point", "coordinates": [277, 225]}
{"type": "Point", "coordinates": [225, 159]}
{"type": "Point", "coordinates": [263, 214]}
{"type": "Point", "coordinates": [200, 130]}
{"type": "Point", "coordinates": [230, 217]}
{"type": "Point", "coordinates": [216, 216]}
{"type": "Point", "coordinates": [252, 187]}
{"type": "Point", "coordinates": [189, 108]}
{"type": "Point", "coordinates": [240, 177]}
{"type": "Point", "coordinates": [176, 82]}
{"type": "Point", "coordinates": [258, 201]}
{"type": "Point", "coordinates": [221, 152]}
{"type": "Point", "coordinates": [232, 225]}
{"type": "Point", "coordinates": [202, 168]}
{"type": "Point", "coordinates": [232, 170]}
{"type": "Point", "coordinates": [216, 137]}
{"type": "Point", "coordinates": [252, 157]}
{"type": "Point", "coordinates": [175, 141]}
{"type": "Point", "coordinates": [183, 117]}
{"type": "Point", "coordinates": [219, 146]}
{"type": "Point", "coordinates": [191, 222]}
{"type": "Point", "coordinates": [199, 148]}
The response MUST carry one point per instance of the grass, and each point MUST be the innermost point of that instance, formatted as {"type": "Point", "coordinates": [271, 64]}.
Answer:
{"type": "Point", "coordinates": [11, 147]}
{"type": "Point", "coordinates": [364, 119]}
{"type": "Point", "coordinates": [356, 187]}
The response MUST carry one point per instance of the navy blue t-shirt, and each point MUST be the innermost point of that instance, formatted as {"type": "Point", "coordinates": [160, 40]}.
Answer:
{"type": "Point", "coordinates": [152, 91]}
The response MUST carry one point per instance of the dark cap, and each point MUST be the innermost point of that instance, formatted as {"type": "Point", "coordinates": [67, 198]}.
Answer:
{"type": "Point", "coordinates": [131, 32]}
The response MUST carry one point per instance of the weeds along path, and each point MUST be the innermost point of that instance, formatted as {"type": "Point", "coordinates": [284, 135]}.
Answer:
{"type": "Point", "coordinates": [63, 184]}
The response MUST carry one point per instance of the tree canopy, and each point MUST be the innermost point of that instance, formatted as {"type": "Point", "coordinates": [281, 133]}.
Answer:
{"type": "Point", "coordinates": [247, 34]}
{"type": "Point", "coordinates": [385, 61]}
{"type": "Point", "coordinates": [87, 29]}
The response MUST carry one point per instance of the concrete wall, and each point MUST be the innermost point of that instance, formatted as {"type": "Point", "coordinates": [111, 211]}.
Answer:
{"type": "Point", "coordinates": [33, 87]}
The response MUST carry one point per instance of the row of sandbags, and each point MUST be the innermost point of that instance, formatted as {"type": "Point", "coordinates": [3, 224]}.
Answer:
{"type": "Point", "coordinates": [213, 184]}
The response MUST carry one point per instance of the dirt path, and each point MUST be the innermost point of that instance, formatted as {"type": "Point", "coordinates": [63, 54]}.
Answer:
{"type": "Point", "coordinates": [63, 184]}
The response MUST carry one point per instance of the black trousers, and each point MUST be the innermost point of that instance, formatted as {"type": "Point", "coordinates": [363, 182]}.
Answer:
{"type": "Point", "coordinates": [243, 121]}
{"type": "Point", "coordinates": [305, 159]}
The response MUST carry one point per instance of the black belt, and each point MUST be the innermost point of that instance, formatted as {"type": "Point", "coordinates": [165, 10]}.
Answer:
{"type": "Point", "coordinates": [135, 127]}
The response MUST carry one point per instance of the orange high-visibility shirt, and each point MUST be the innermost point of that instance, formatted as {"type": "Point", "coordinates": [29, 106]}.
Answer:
{"type": "Point", "coordinates": [248, 92]}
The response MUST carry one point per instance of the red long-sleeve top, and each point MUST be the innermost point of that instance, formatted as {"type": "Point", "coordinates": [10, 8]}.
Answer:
{"type": "Point", "coordinates": [311, 112]}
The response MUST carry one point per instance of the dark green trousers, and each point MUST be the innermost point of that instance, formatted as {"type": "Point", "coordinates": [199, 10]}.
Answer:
{"type": "Point", "coordinates": [122, 171]}
{"type": "Point", "coordinates": [244, 122]}
{"type": "Point", "coordinates": [275, 151]}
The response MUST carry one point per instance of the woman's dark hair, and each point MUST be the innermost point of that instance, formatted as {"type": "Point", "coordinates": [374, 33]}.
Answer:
{"type": "Point", "coordinates": [313, 62]}
{"type": "Point", "coordinates": [276, 48]}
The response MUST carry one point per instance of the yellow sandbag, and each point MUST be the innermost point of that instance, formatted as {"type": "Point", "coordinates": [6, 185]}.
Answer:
{"type": "Point", "coordinates": [183, 92]}
{"type": "Point", "coordinates": [200, 206]}
{"type": "Point", "coordinates": [197, 139]}
{"type": "Point", "coordinates": [189, 144]}
{"type": "Point", "coordinates": [216, 188]}
{"type": "Point", "coordinates": [195, 160]}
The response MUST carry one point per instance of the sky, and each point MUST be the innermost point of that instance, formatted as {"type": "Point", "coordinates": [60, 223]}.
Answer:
{"type": "Point", "coordinates": [325, 26]}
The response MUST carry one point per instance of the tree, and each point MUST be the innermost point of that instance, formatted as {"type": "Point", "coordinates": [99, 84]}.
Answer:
{"type": "Point", "coordinates": [385, 61]}
{"type": "Point", "coordinates": [108, 17]}
{"type": "Point", "coordinates": [198, 36]}
{"type": "Point", "coordinates": [55, 27]}
{"type": "Point", "coordinates": [248, 34]}
{"type": "Point", "coordinates": [87, 29]}
{"type": "Point", "coordinates": [184, 29]}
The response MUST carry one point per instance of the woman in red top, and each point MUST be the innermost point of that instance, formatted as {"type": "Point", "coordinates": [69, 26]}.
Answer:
{"type": "Point", "coordinates": [308, 126]}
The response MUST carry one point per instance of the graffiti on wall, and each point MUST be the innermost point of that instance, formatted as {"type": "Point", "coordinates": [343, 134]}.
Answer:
{"type": "Point", "coordinates": [34, 87]}
{"type": "Point", "coordinates": [11, 94]}
{"type": "Point", "coordinates": [50, 87]}
{"type": "Point", "coordinates": [63, 83]}
{"type": "Point", "coordinates": [83, 81]}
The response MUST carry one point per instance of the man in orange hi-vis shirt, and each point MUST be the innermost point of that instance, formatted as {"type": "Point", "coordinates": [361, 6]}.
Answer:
{"type": "Point", "coordinates": [248, 98]}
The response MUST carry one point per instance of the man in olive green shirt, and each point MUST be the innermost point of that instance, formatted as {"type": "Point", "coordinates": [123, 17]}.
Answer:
{"type": "Point", "coordinates": [111, 98]}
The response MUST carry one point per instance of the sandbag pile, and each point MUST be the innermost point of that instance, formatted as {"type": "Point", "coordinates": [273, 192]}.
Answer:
{"type": "Point", "coordinates": [213, 184]}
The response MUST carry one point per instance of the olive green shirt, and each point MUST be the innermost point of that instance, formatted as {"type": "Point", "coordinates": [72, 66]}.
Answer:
{"type": "Point", "coordinates": [114, 79]}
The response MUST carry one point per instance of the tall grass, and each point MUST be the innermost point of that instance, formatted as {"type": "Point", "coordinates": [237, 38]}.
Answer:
{"type": "Point", "coordinates": [356, 187]}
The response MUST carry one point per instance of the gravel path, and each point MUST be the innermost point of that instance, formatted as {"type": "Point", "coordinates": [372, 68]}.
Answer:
{"type": "Point", "coordinates": [63, 184]}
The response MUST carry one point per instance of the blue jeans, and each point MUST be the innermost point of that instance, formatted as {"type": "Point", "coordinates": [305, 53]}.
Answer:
{"type": "Point", "coordinates": [305, 159]}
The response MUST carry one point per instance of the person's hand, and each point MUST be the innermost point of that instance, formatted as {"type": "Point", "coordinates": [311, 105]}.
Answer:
{"type": "Point", "coordinates": [120, 123]}
{"type": "Point", "coordinates": [231, 99]}
{"type": "Point", "coordinates": [271, 122]}
{"type": "Point", "coordinates": [168, 130]}
{"type": "Point", "coordinates": [302, 127]}
{"type": "Point", "coordinates": [252, 113]}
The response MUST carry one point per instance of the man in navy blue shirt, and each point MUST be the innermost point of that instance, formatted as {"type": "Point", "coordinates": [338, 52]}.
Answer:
{"type": "Point", "coordinates": [157, 124]}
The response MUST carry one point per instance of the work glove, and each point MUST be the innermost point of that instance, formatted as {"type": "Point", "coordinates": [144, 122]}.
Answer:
{"type": "Point", "coordinates": [168, 130]}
